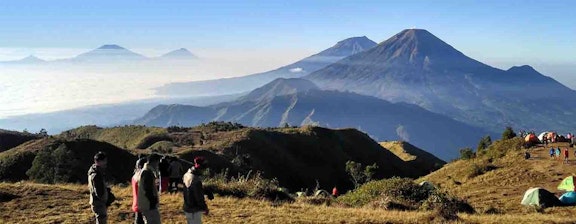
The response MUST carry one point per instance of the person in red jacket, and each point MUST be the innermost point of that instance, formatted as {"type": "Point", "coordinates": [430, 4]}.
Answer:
{"type": "Point", "coordinates": [138, 219]}
{"type": "Point", "coordinates": [566, 154]}
{"type": "Point", "coordinates": [335, 192]}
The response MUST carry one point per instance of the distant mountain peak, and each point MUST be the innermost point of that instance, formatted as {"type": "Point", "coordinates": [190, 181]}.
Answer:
{"type": "Point", "coordinates": [349, 46]}
{"type": "Point", "coordinates": [31, 58]}
{"type": "Point", "coordinates": [417, 47]}
{"type": "Point", "coordinates": [109, 52]}
{"type": "Point", "coordinates": [111, 47]}
{"type": "Point", "coordinates": [522, 68]}
{"type": "Point", "coordinates": [181, 53]}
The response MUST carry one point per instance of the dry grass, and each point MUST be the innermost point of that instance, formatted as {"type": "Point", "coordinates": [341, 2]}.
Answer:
{"type": "Point", "coordinates": [40, 203]}
{"type": "Point", "coordinates": [504, 187]}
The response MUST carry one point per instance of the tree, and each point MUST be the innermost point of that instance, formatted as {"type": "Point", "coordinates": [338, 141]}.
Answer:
{"type": "Point", "coordinates": [42, 169]}
{"type": "Point", "coordinates": [484, 143]}
{"type": "Point", "coordinates": [53, 165]}
{"type": "Point", "coordinates": [508, 133]}
{"type": "Point", "coordinates": [466, 153]}
{"type": "Point", "coordinates": [354, 169]}
{"type": "Point", "coordinates": [369, 171]}
{"type": "Point", "coordinates": [358, 175]}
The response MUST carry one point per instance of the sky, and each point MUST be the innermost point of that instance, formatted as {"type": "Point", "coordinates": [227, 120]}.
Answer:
{"type": "Point", "coordinates": [512, 30]}
{"type": "Point", "coordinates": [245, 37]}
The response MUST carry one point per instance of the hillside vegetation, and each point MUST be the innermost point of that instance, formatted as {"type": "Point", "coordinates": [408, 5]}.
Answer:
{"type": "Point", "coordinates": [497, 178]}
{"type": "Point", "coordinates": [298, 158]}
{"type": "Point", "coordinates": [126, 137]}
{"type": "Point", "coordinates": [11, 139]}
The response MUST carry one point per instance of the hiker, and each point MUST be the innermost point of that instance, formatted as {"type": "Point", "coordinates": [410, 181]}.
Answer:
{"type": "Point", "coordinates": [193, 192]}
{"type": "Point", "coordinates": [545, 140]}
{"type": "Point", "coordinates": [552, 152]}
{"type": "Point", "coordinates": [138, 219]}
{"type": "Point", "coordinates": [164, 174]}
{"type": "Point", "coordinates": [566, 154]}
{"type": "Point", "coordinates": [176, 169]}
{"type": "Point", "coordinates": [99, 192]}
{"type": "Point", "coordinates": [335, 192]}
{"type": "Point", "coordinates": [148, 199]}
{"type": "Point", "coordinates": [558, 153]}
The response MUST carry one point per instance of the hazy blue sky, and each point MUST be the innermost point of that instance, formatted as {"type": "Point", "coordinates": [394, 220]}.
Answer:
{"type": "Point", "coordinates": [494, 31]}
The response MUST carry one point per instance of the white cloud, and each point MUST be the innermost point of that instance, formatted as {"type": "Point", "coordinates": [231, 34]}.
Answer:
{"type": "Point", "coordinates": [296, 70]}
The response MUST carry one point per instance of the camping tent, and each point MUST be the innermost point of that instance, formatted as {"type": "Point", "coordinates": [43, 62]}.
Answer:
{"type": "Point", "coordinates": [531, 138]}
{"type": "Point", "coordinates": [322, 193]}
{"type": "Point", "coordinates": [541, 136]}
{"type": "Point", "coordinates": [569, 198]}
{"type": "Point", "coordinates": [567, 184]}
{"type": "Point", "coordinates": [540, 197]}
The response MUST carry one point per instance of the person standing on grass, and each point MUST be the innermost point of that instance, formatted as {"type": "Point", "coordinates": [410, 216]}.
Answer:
{"type": "Point", "coordinates": [558, 153]}
{"type": "Point", "coordinates": [98, 190]}
{"type": "Point", "coordinates": [566, 154]}
{"type": "Point", "coordinates": [164, 174]}
{"type": "Point", "coordinates": [176, 170]}
{"type": "Point", "coordinates": [148, 198]}
{"type": "Point", "coordinates": [138, 219]}
{"type": "Point", "coordinates": [552, 152]}
{"type": "Point", "coordinates": [194, 203]}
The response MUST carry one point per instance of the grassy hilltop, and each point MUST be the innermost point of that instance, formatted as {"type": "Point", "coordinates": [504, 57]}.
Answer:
{"type": "Point", "coordinates": [484, 189]}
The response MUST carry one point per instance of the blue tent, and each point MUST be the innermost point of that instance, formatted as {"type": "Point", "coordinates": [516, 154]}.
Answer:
{"type": "Point", "coordinates": [569, 198]}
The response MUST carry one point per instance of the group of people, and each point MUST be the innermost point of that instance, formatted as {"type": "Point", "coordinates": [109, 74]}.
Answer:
{"type": "Point", "coordinates": [557, 153]}
{"type": "Point", "coordinates": [145, 190]}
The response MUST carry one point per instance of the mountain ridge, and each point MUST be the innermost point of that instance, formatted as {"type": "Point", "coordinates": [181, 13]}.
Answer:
{"type": "Point", "coordinates": [247, 83]}
{"type": "Point", "coordinates": [418, 68]}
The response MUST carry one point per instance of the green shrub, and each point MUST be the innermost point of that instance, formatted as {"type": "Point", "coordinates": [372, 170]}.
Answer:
{"type": "Point", "coordinates": [484, 143]}
{"type": "Point", "coordinates": [218, 126]}
{"type": "Point", "coordinates": [466, 153]}
{"type": "Point", "coordinates": [508, 133]}
{"type": "Point", "coordinates": [398, 190]}
{"type": "Point", "coordinates": [446, 206]}
{"type": "Point", "coordinates": [479, 169]}
{"type": "Point", "coordinates": [53, 165]}
{"type": "Point", "coordinates": [358, 175]}
{"type": "Point", "coordinates": [500, 148]}
{"type": "Point", "coordinates": [252, 186]}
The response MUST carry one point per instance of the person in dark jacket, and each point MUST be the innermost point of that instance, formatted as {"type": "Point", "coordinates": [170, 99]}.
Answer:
{"type": "Point", "coordinates": [164, 174]}
{"type": "Point", "coordinates": [148, 199]}
{"type": "Point", "coordinates": [176, 169]}
{"type": "Point", "coordinates": [98, 189]}
{"type": "Point", "coordinates": [194, 203]}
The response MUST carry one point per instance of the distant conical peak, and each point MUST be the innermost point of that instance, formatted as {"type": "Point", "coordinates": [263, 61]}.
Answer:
{"type": "Point", "coordinates": [31, 57]}
{"type": "Point", "coordinates": [111, 47]}
{"type": "Point", "coordinates": [524, 69]}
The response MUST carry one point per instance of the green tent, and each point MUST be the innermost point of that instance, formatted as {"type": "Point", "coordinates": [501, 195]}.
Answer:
{"type": "Point", "coordinates": [540, 197]}
{"type": "Point", "coordinates": [567, 184]}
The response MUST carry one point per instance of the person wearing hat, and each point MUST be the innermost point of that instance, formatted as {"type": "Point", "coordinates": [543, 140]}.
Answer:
{"type": "Point", "coordinates": [193, 192]}
{"type": "Point", "coordinates": [99, 194]}
{"type": "Point", "coordinates": [148, 199]}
